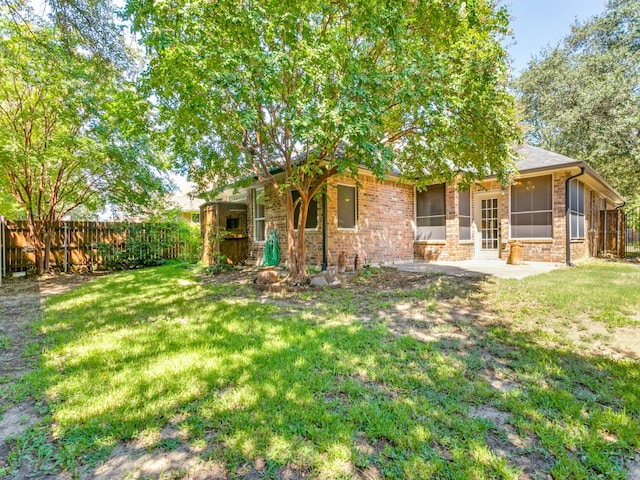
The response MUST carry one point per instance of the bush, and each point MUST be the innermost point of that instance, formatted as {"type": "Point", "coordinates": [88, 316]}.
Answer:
{"type": "Point", "coordinates": [150, 244]}
{"type": "Point", "coordinates": [220, 265]}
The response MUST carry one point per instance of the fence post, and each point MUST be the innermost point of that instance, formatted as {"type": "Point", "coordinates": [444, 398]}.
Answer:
{"type": "Point", "coordinates": [65, 242]}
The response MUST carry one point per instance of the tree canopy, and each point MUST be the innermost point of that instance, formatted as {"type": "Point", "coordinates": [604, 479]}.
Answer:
{"type": "Point", "coordinates": [313, 88]}
{"type": "Point", "coordinates": [72, 129]}
{"type": "Point", "coordinates": [582, 97]}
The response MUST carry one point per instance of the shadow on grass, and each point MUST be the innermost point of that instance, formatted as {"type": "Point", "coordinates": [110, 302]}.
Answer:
{"type": "Point", "coordinates": [317, 389]}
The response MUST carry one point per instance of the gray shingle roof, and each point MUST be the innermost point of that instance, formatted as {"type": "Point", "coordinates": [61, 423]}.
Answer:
{"type": "Point", "coordinates": [535, 158]}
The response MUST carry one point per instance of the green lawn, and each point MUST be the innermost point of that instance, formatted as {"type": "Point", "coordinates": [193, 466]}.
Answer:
{"type": "Point", "coordinates": [479, 380]}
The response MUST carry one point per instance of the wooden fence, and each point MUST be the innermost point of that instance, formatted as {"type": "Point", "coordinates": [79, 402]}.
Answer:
{"type": "Point", "coordinates": [75, 244]}
{"type": "Point", "coordinates": [611, 237]}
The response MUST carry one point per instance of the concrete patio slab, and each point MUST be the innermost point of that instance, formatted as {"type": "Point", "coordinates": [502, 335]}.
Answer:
{"type": "Point", "coordinates": [479, 267]}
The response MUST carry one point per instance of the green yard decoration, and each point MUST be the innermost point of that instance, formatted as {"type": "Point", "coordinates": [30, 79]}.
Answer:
{"type": "Point", "coordinates": [271, 250]}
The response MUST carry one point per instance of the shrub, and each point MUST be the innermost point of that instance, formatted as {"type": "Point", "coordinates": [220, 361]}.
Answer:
{"type": "Point", "coordinates": [150, 244]}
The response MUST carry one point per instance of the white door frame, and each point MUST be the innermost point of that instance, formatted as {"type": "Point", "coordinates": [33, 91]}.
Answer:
{"type": "Point", "coordinates": [479, 251]}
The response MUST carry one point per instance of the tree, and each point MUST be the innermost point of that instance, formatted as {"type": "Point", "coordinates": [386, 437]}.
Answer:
{"type": "Point", "coordinates": [582, 98]}
{"type": "Point", "coordinates": [294, 92]}
{"type": "Point", "coordinates": [71, 130]}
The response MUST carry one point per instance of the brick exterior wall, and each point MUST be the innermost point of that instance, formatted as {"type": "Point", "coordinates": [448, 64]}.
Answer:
{"type": "Point", "coordinates": [276, 218]}
{"type": "Point", "coordinates": [385, 222]}
{"type": "Point", "coordinates": [540, 250]}
{"type": "Point", "coordinates": [385, 231]}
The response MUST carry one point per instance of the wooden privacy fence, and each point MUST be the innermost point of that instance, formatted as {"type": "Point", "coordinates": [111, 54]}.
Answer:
{"type": "Point", "coordinates": [81, 244]}
{"type": "Point", "coordinates": [611, 237]}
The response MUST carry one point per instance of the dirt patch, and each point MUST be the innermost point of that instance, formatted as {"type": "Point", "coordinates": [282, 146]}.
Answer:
{"type": "Point", "coordinates": [365, 446]}
{"type": "Point", "coordinates": [293, 472]}
{"type": "Point", "coordinates": [504, 441]}
{"type": "Point", "coordinates": [597, 339]}
{"type": "Point", "coordinates": [20, 306]}
{"type": "Point", "coordinates": [499, 380]}
{"type": "Point", "coordinates": [634, 468]}
{"type": "Point", "coordinates": [133, 461]}
{"type": "Point", "coordinates": [497, 417]}
{"type": "Point", "coordinates": [15, 421]}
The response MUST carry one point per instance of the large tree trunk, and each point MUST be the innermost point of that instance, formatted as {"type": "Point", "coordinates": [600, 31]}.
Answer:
{"type": "Point", "coordinates": [34, 228]}
{"type": "Point", "coordinates": [40, 235]}
{"type": "Point", "coordinates": [48, 238]}
{"type": "Point", "coordinates": [296, 247]}
{"type": "Point", "coordinates": [296, 251]}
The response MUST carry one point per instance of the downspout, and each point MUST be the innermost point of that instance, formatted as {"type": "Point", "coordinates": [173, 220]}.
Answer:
{"type": "Point", "coordinates": [324, 229]}
{"type": "Point", "coordinates": [568, 217]}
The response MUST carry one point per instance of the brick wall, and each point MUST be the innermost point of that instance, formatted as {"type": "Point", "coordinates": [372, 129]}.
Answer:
{"type": "Point", "coordinates": [275, 218]}
{"type": "Point", "coordinates": [542, 250]}
{"type": "Point", "coordinates": [385, 222]}
{"type": "Point", "coordinates": [384, 231]}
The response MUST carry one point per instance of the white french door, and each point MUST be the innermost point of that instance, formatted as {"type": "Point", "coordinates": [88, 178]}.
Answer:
{"type": "Point", "coordinates": [488, 225]}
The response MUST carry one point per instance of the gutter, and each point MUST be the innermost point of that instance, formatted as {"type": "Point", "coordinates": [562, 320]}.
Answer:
{"type": "Point", "coordinates": [568, 217]}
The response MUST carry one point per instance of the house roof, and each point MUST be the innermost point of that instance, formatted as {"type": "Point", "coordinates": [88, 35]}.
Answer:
{"type": "Point", "coordinates": [185, 202]}
{"type": "Point", "coordinates": [534, 159]}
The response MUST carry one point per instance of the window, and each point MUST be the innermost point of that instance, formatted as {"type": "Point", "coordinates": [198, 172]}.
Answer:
{"type": "Point", "coordinates": [233, 224]}
{"type": "Point", "coordinates": [258, 215]}
{"type": "Point", "coordinates": [195, 217]}
{"type": "Point", "coordinates": [531, 208]}
{"type": "Point", "coordinates": [431, 213]}
{"type": "Point", "coordinates": [347, 197]}
{"type": "Point", "coordinates": [312, 215]}
{"type": "Point", "coordinates": [464, 215]}
{"type": "Point", "coordinates": [576, 209]}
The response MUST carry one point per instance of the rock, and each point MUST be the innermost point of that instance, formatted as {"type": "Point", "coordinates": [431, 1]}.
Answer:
{"type": "Point", "coordinates": [318, 281]}
{"type": "Point", "coordinates": [330, 274]}
{"type": "Point", "coordinates": [267, 277]}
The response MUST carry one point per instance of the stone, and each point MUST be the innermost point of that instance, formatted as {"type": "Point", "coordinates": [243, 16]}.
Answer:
{"type": "Point", "coordinates": [318, 281]}
{"type": "Point", "coordinates": [330, 274]}
{"type": "Point", "coordinates": [267, 277]}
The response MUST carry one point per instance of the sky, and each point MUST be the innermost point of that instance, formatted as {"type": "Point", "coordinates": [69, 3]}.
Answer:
{"type": "Point", "coordinates": [537, 24]}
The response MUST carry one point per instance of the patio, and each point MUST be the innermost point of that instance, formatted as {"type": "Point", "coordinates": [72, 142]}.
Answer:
{"type": "Point", "coordinates": [480, 267]}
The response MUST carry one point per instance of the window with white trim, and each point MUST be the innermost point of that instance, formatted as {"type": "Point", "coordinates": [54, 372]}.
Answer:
{"type": "Point", "coordinates": [464, 215]}
{"type": "Point", "coordinates": [347, 206]}
{"type": "Point", "coordinates": [532, 207]}
{"type": "Point", "coordinates": [576, 209]}
{"type": "Point", "coordinates": [431, 213]}
{"type": "Point", "coordinates": [258, 215]}
{"type": "Point", "coordinates": [312, 213]}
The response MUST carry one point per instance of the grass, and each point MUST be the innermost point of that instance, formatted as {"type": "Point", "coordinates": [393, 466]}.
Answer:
{"type": "Point", "coordinates": [599, 291]}
{"type": "Point", "coordinates": [303, 381]}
